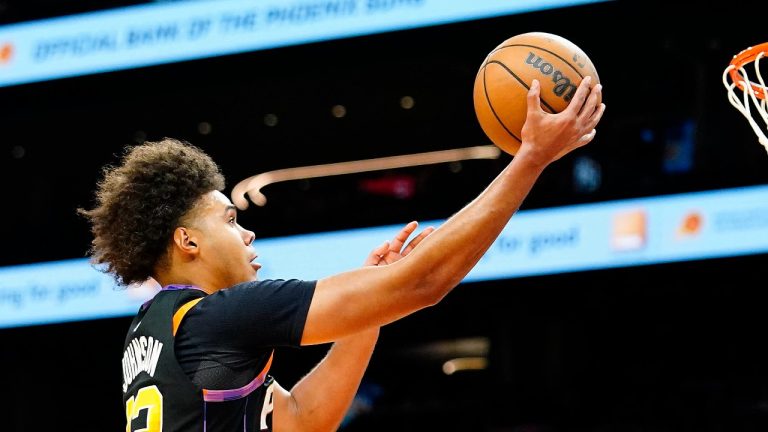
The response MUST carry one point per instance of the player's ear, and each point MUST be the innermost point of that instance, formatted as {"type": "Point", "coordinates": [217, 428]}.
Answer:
{"type": "Point", "coordinates": [185, 240]}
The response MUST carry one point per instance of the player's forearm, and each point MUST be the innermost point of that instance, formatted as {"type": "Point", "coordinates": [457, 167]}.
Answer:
{"type": "Point", "coordinates": [381, 295]}
{"type": "Point", "coordinates": [322, 397]}
{"type": "Point", "coordinates": [449, 253]}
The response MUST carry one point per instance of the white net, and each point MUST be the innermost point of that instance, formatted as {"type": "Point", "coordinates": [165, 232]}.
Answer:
{"type": "Point", "coordinates": [749, 97]}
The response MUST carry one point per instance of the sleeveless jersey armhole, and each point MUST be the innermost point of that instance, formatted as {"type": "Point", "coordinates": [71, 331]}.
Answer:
{"type": "Point", "coordinates": [223, 395]}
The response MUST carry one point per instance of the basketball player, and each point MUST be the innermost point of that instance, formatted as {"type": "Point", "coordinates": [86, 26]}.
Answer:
{"type": "Point", "coordinates": [197, 356]}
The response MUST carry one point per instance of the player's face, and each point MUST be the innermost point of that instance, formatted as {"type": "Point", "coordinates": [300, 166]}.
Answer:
{"type": "Point", "coordinates": [226, 246]}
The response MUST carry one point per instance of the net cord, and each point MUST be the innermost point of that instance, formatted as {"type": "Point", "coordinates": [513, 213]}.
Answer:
{"type": "Point", "coordinates": [743, 104]}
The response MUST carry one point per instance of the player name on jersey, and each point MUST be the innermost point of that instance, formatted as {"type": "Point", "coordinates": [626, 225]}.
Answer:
{"type": "Point", "coordinates": [141, 355]}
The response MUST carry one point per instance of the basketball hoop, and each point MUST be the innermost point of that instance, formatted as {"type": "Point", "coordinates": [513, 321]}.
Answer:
{"type": "Point", "coordinates": [751, 91]}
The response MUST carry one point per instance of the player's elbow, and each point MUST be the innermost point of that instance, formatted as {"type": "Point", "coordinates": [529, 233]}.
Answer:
{"type": "Point", "coordinates": [422, 286]}
{"type": "Point", "coordinates": [435, 287]}
{"type": "Point", "coordinates": [292, 416]}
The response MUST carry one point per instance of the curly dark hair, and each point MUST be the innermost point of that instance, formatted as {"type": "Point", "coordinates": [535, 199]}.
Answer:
{"type": "Point", "coordinates": [140, 202]}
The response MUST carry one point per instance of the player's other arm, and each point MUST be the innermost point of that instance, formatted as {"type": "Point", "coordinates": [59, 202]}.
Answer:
{"type": "Point", "coordinates": [350, 302]}
{"type": "Point", "coordinates": [319, 401]}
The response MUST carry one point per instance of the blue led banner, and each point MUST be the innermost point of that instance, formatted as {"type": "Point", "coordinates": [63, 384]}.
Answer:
{"type": "Point", "coordinates": [584, 237]}
{"type": "Point", "coordinates": [175, 31]}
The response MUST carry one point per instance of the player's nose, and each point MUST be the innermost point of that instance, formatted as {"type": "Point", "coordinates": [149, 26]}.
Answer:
{"type": "Point", "coordinates": [248, 237]}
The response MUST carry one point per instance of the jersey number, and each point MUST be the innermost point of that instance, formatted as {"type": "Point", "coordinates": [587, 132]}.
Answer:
{"type": "Point", "coordinates": [150, 399]}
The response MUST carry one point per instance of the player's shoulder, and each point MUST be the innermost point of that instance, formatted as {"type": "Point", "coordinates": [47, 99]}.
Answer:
{"type": "Point", "coordinates": [259, 289]}
{"type": "Point", "coordinates": [272, 284]}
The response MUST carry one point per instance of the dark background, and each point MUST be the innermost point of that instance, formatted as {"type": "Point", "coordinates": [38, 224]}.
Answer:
{"type": "Point", "coordinates": [671, 347]}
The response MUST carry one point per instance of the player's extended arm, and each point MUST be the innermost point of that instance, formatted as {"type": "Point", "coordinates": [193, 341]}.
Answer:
{"type": "Point", "coordinates": [373, 296]}
{"type": "Point", "coordinates": [319, 401]}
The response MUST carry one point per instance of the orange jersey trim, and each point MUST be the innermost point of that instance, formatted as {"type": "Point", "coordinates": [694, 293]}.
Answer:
{"type": "Point", "coordinates": [179, 315]}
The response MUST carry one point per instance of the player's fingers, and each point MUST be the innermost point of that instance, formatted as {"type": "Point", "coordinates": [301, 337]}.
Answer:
{"type": "Point", "coordinates": [534, 102]}
{"type": "Point", "coordinates": [580, 96]}
{"type": "Point", "coordinates": [416, 240]}
{"type": "Point", "coordinates": [593, 101]}
{"type": "Point", "coordinates": [596, 116]}
{"type": "Point", "coordinates": [399, 240]}
{"type": "Point", "coordinates": [382, 249]}
{"type": "Point", "coordinates": [375, 256]}
{"type": "Point", "coordinates": [587, 138]}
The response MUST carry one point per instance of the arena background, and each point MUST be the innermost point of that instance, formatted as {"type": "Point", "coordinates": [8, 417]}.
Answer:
{"type": "Point", "coordinates": [667, 347]}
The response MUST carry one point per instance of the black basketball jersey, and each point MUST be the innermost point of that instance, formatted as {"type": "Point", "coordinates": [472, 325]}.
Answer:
{"type": "Point", "coordinates": [159, 397]}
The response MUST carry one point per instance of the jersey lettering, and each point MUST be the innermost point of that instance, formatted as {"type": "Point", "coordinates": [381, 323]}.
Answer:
{"type": "Point", "coordinates": [268, 406]}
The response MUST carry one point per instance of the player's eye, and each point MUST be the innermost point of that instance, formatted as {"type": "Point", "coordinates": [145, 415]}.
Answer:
{"type": "Point", "coordinates": [232, 220]}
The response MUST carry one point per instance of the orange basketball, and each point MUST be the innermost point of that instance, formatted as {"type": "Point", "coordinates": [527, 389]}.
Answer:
{"type": "Point", "coordinates": [505, 77]}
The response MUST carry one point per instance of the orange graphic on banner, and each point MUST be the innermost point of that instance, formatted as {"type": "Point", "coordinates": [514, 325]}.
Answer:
{"type": "Point", "coordinates": [6, 52]}
{"type": "Point", "coordinates": [629, 231]}
{"type": "Point", "coordinates": [690, 225]}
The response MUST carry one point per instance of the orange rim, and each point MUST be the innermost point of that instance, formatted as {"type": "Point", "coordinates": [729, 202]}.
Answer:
{"type": "Point", "coordinates": [741, 59]}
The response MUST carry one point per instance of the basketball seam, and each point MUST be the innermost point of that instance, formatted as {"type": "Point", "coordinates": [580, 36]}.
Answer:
{"type": "Point", "coordinates": [552, 110]}
{"type": "Point", "coordinates": [543, 49]}
{"type": "Point", "coordinates": [490, 105]}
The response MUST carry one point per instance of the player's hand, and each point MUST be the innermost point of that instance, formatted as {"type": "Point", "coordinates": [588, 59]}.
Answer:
{"type": "Point", "coordinates": [547, 137]}
{"type": "Point", "coordinates": [392, 251]}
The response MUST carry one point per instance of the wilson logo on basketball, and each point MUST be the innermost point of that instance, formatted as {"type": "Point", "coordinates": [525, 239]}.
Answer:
{"type": "Point", "coordinates": [563, 86]}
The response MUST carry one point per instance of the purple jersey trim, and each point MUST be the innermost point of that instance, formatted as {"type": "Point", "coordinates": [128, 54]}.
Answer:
{"type": "Point", "coordinates": [205, 417]}
{"type": "Point", "coordinates": [175, 287]}
{"type": "Point", "coordinates": [228, 395]}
